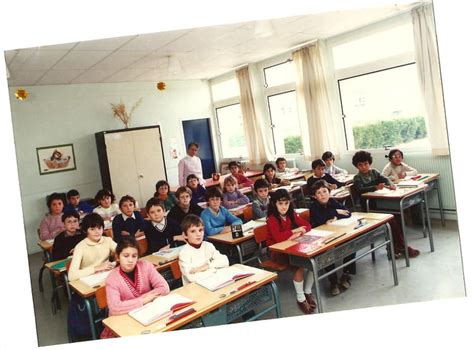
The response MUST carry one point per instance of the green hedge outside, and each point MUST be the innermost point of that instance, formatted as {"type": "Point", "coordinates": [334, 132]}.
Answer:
{"type": "Point", "coordinates": [391, 132]}
{"type": "Point", "coordinates": [293, 144]}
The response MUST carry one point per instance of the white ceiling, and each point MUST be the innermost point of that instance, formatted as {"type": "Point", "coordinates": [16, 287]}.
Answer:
{"type": "Point", "coordinates": [203, 53]}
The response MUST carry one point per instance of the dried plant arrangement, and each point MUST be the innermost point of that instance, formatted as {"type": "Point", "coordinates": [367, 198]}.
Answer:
{"type": "Point", "coordinates": [121, 113]}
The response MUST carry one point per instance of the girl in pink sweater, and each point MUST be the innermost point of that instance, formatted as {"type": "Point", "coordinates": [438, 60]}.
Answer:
{"type": "Point", "coordinates": [133, 283]}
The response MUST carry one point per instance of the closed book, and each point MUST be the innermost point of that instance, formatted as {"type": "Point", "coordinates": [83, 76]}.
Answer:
{"type": "Point", "coordinates": [222, 277]}
{"type": "Point", "coordinates": [161, 307]}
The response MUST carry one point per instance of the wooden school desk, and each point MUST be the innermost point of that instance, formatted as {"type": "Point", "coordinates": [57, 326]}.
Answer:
{"type": "Point", "coordinates": [163, 266]}
{"type": "Point", "coordinates": [55, 268]}
{"type": "Point", "coordinates": [351, 241]}
{"type": "Point", "coordinates": [212, 308]}
{"type": "Point", "coordinates": [247, 242]}
{"type": "Point", "coordinates": [399, 200]}
{"type": "Point", "coordinates": [432, 180]}
{"type": "Point", "coordinates": [87, 293]}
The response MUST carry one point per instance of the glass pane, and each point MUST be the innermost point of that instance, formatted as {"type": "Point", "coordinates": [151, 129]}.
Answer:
{"type": "Point", "coordinates": [231, 128]}
{"type": "Point", "coordinates": [286, 131]}
{"type": "Point", "coordinates": [225, 89]}
{"type": "Point", "coordinates": [384, 109]}
{"type": "Point", "coordinates": [280, 74]}
{"type": "Point", "coordinates": [388, 43]}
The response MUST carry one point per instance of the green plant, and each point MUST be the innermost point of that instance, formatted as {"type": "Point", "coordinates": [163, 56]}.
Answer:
{"type": "Point", "coordinates": [293, 144]}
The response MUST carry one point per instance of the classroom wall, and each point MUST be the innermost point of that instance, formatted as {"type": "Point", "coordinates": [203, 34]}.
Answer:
{"type": "Point", "coordinates": [63, 114]}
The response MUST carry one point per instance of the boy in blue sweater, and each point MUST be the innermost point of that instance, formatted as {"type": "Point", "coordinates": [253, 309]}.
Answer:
{"type": "Point", "coordinates": [216, 218]}
{"type": "Point", "coordinates": [75, 204]}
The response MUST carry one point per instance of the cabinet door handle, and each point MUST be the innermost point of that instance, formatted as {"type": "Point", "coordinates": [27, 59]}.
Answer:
{"type": "Point", "coordinates": [141, 176]}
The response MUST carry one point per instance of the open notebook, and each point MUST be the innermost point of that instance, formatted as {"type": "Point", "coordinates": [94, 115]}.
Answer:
{"type": "Point", "coordinates": [222, 277]}
{"type": "Point", "coordinates": [170, 253]}
{"type": "Point", "coordinates": [161, 307]}
{"type": "Point", "coordinates": [95, 279]}
{"type": "Point", "coordinates": [252, 224]}
{"type": "Point", "coordinates": [346, 222]}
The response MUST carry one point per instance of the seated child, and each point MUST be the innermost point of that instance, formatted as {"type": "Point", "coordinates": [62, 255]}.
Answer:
{"type": "Point", "coordinates": [198, 190]}
{"type": "Point", "coordinates": [106, 207]}
{"type": "Point", "coordinates": [232, 197]}
{"type": "Point", "coordinates": [395, 168]}
{"type": "Point", "coordinates": [285, 224]}
{"type": "Point", "coordinates": [161, 231]}
{"type": "Point", "coordinates": [330, 168]}
{"type": "Point", "coordinates": [65, 242]}
{"type": "Point", "coordinates": [236, 172]}
{"type": "Point", "coordinates": [75, 203]}
{"type": "Point", "coordinates": [92, 254]}
{"type": "Point", "coordinates": [52, 224]}
{"type": "Point", "coordinates": [198, 258]}
{"type": "Point", "coordinates": [324, 210]}
{"type": "Point", "coordinates": [216, 218]}
{"type": "Point", "coordinates": [269, 175]}
{"type": "Point", "coordinates": [184, 206]}
{"type": "Point", "coordinates": [370, 180]}
{"type": "Point", "coordinates": [164, 194]}
{"type": "Point", "coordinates": [130, 222]}
{"type": "Point", "coordinates": [132, 284]}
{"type": "Point", "coordinates": [262, 199]}
{"type": "Point", "coordinates": [281, 168]}
{"type": "Point", "coordinates": [318, 167]}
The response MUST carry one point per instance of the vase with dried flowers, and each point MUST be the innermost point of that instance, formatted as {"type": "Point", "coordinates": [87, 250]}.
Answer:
{"type": "Point", "coordinates": [121, 113]}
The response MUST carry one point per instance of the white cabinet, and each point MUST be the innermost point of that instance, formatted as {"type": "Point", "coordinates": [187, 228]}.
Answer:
{"type": "Point", "coordinates": [131, 161]}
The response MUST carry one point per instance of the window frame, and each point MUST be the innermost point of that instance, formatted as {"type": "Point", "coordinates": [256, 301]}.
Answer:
{"type": "Point", "coordinates": [364, 69]}
{"type": "Point", "coordinates": [219, 133]}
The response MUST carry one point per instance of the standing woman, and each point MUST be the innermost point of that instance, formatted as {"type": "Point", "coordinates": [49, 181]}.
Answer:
{"type": "Point", "coordinates": [190, 164]}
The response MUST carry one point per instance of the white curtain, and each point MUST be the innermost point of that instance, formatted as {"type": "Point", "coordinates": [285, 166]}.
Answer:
{"type": "Point", "coordinates": [430, 77]}
{"type": "Point", "coordinates": [314, 109]}
{"type": "Point", "coordinates": [255, 137]}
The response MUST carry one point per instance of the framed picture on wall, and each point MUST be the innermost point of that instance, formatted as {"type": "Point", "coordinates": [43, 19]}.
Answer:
{"type": "Point", "coordinates": [54, 159]}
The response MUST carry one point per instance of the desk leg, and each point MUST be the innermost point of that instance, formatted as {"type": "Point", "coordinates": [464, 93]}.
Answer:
{"type": "Point", "coordinates": [430, 234]}
{"type": "Point", "coordinates": [87, 302]}
{"type": "Point", "coordinates": [440, 202]}
{"type": "Point", "coordinates": [66, 282]}
{"type": "Point", "coordinates": [239, 251]}
{"type": "Point", "coordinates": [55, 304]}
{"type": "Point", "coordinates": [276, 296]}
{"type": "Point", "coordinates": [372, 245]}
{"type": "Point", "coordinates": [319, 306]}
{"type": "Point", "coordinates": [422, 209]}
{"type": "Point", "coordinates": [405, 243]}
{"type": "Point", "coordinates": [392, 254]}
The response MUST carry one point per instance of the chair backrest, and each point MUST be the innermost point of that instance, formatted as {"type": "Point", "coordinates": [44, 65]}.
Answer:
{"type": "Point", "coordinates": [143, 212]}
{"type": "Point", "coordinates": [260, 234]}
{"type": "Point", "coordinates": [175, 270]}
{"type": "Point", "coordinates": [305, 188]}
{"type": "Point", "coordinates": [101, 297]}
{"type": "Point", "coordinates": [142, 246]}
{"type": "Point", "coordinates": [305, 215]}
{"type": "Point", "coordinates": [248, 213]}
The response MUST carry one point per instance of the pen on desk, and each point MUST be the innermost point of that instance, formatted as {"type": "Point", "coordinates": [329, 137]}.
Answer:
{"type": "Point", "coordinates": [334, 238]}
{"type": "Point", "coordinates": [166, 261]}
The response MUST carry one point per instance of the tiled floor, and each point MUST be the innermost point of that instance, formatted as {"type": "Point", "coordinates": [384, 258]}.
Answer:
{"type": "Point", "coordinates": [431, 276]}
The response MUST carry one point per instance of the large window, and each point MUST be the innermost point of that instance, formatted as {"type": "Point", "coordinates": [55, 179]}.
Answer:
{"type": "Point", "coordinates": [378, 87]}
{"type": "Point", "coordinates": [281, 99]}
{"type": "Point", "coordinates": [225, 95]}
{"type": "Point", "coordinates": [383, 109]}
{"type": "Point", "coordinates": [285, 123]}
{"type": "Point", "coordinates": [231, 131]}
